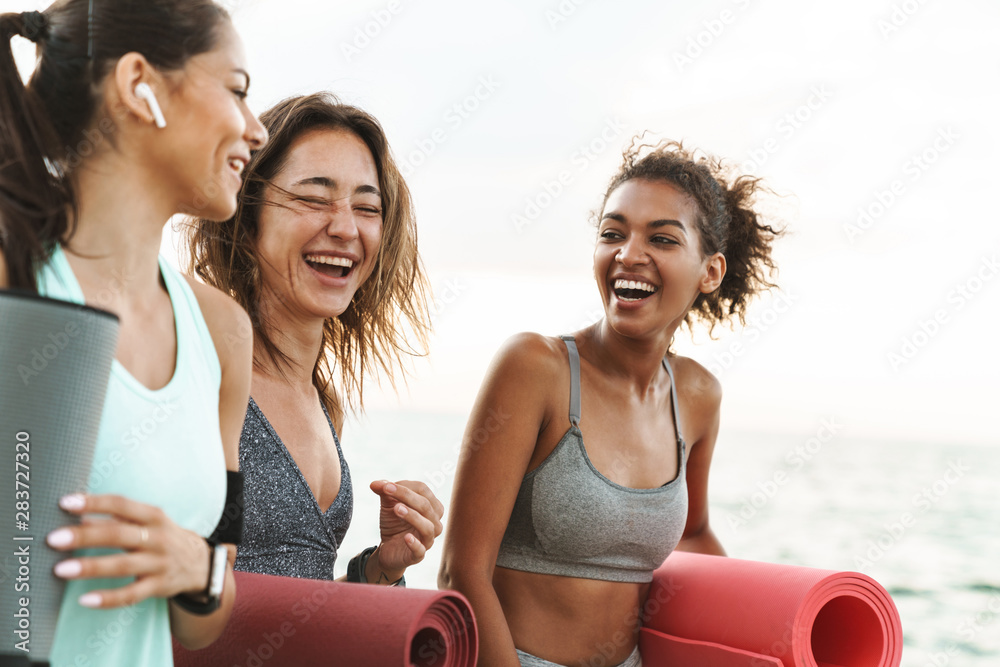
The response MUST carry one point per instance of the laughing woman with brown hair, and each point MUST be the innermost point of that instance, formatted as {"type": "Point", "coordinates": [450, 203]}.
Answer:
{"type": "Point", "coordinates": [322, 253]}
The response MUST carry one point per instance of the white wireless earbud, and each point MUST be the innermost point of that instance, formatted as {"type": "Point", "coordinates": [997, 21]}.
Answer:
{"type": "Point", "coordinates": [144, 92]}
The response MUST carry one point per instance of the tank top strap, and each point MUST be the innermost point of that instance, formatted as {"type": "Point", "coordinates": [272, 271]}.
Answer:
{"type": "Point", "coordinates": [673, 405]}
{"type": "Point", "coordinates": [190, 321]}
{"type": "Point", "coordinates": [574, 380]}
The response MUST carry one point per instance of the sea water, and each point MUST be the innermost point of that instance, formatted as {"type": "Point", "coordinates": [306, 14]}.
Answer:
{"type": "Point", "coordinates": [920, 518]}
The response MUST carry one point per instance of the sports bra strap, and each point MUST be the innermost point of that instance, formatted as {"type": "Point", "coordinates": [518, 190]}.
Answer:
{"type": "Point", "coordinates": [574, 387]}
{"type": "Point", "coordinates": [574, 380]}
{"type": "Point", "coordinates": [673, 401]}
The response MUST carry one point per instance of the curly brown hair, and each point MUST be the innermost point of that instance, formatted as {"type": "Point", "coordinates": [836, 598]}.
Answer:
{"type": "Point", "coordinates": [727, 222]}
{"type": "Point", "coordinates": [389, 311]}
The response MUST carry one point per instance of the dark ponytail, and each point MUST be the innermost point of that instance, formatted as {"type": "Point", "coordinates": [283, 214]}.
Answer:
{"type": "Point", "coordinates": [728, 222]}
{"type": "Point", "coordinates": [49, 126]}
{"type": "Point", "coordinates": [33, 200]}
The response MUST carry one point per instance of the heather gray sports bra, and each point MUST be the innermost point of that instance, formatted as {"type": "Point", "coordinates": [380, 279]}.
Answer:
{"type": "Point", "coordinates": [572, 521]}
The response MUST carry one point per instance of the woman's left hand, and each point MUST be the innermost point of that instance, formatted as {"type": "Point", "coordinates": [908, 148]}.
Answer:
{"type": "Point", "coordinates": [164, 558]}
{"type": "Point", "coordinates": [409, 520]}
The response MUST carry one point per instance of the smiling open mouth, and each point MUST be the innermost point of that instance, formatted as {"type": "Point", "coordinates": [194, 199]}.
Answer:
{"type": "Point", "coordinates": [633, 290]}
{"type": "Point", "coordinates": [335, 267]}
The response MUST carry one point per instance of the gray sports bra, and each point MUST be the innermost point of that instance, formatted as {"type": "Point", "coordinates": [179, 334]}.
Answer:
{"type": "Point", "coordinates": [572, 521]}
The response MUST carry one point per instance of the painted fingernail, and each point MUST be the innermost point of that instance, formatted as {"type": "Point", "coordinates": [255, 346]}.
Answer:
{"type": "Point", "coordinates": [60, 538]}
{"type": "Point", "coordinates": [390, 488]}
{"type": "Point", "coordinates": [68, 568]}
{"type": "Point", "coordinates": [73, 501]}
{"type": "Point", "coordinates": [90, 600]}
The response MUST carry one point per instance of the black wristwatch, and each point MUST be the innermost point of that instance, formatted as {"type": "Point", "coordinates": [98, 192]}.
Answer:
{"type": "Point", "coordinates": [208, 600]}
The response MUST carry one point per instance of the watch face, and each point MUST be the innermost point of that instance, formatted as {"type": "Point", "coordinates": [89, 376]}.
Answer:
{"type": "Point", "coordinates": [220, 557]}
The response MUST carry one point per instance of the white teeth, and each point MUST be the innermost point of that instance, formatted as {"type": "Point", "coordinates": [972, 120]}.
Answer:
{"type": "Point", "coordinates": [332, 261]}
{"type": "Point", "coordinates": [237, 165]}
{"type": "Point", "coordinates": [634, 284]}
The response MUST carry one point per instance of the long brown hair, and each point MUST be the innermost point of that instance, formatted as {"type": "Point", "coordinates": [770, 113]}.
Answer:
{"type": "Point", "coordinates": [387, 320]}
{"type": "Point", "coordinates": [48, 126]}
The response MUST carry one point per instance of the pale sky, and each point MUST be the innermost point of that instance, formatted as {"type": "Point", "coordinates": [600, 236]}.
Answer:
{"type": "Point", "coordinates": [887, 322]}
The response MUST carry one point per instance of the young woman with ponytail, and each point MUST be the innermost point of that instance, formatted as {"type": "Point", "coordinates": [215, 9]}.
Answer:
{"type": "Point", "coordinates": [135, 112]}
{"type": "Point", "coordinates": [554, 542]}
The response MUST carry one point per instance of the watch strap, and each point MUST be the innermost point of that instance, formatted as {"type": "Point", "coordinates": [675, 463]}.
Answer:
{"type": "Point", "coordinates": [213, 590]}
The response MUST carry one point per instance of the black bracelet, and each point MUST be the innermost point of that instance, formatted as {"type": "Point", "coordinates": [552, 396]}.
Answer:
{"type": "Point", "coordinates": [230, 527]}
{"type": "Point", "coordinates": [357, 565]}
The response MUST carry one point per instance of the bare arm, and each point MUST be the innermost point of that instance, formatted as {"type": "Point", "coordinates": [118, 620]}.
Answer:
{"type": "Point", "coordinates": [499, 441]}
{"type": "Point", "coordinates": [703, 407]}
{"type": "Point", "coordinates": [231, 332]}
{"type": "Point", "coordinates": [164, 558]}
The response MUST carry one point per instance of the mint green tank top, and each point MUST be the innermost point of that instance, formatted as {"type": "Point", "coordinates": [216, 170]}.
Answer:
{"type": "Point", "coordinates": [163, 448]}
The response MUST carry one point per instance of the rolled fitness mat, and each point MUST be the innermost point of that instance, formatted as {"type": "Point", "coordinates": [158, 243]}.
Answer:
{"type": "Point", "coordinates": [55, 361]}
{"type": "Point", "coordinates": [724, 612]}
{"type": "Point", "coordinates": [288, 622]}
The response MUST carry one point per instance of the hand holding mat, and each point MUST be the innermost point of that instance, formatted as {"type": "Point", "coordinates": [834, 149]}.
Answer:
{"type": "Point", "coordinates": [725, 612]}
{"type": "Point", "coordinates": [287, 622]}
{"type": "Point", "coordinates": [55, 361]}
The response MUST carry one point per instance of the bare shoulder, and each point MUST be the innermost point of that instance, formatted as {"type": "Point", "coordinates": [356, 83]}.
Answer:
{"type": "Point", "coordinates": [3, 271]}
{"type": "Point", "coordinates": [523, 375]}
{"type": "Point", "coordinates": [530, 355]}
{"type": "Point", "coordinates": [697, 384]}
{"type": "Point", "coordinates": [228, 323]}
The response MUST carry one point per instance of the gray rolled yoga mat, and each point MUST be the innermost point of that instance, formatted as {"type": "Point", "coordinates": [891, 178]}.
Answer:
{"type": "Point", "coordinates": [55, 361]}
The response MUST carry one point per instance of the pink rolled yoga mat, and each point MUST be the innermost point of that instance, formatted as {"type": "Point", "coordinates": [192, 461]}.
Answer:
{"type": "Point", "coordinates": [711, 611]}
{"type": "Point", "coordinates": [287, 622]}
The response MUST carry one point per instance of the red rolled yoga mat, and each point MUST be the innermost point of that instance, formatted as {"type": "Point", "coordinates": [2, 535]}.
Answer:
{"type": "Point", "coordinates": [288, 622]}
{"type": "Point", "coordinates": [712, 611]}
